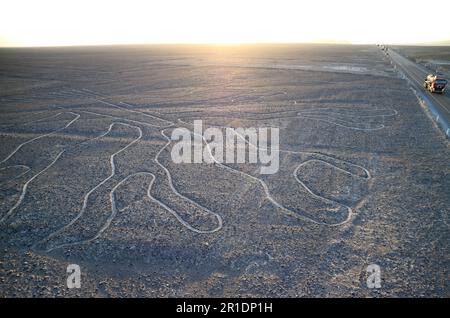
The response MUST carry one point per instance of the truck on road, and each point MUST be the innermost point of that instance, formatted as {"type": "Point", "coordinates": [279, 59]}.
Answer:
{"type": "Point", "coordinates": [435, 83]}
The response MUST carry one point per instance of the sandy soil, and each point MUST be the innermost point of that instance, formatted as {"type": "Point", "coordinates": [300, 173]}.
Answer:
{"type": "Point", "coordinates": [86, 175]}
{"type": "Point", "coordinates": [432, 57]}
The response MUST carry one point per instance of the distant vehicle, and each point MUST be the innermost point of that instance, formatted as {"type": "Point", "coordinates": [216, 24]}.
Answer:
{"type": "Point", "coordinates": [435, 83]}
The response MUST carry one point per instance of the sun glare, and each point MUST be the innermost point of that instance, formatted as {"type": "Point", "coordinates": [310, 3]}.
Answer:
{"type": "Point", "coordinates": [86, 22]}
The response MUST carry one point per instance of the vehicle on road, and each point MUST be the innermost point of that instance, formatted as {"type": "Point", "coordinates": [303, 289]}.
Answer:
{"type": "Point", "coordinates": [435, 83]}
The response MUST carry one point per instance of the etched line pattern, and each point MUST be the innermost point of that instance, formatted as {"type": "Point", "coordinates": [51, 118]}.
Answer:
{"type": "Point", "coordinates": [346, 118]}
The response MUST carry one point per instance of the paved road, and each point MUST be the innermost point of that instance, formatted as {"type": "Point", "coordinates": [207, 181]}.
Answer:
{"type": "Point", "coordinates": [417, 74]}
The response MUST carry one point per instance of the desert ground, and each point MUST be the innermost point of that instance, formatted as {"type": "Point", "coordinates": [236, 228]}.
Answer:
{"type": "Point", "coordinates": [86, 175]}
{"type": "Point", "coordinates": [432, 57]}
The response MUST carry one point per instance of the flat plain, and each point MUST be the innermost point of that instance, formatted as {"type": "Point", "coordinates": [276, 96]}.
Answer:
{"type": "Point", "coordinates": [86, 175]}
{"type": "Point", "coordinates": [432, 57]}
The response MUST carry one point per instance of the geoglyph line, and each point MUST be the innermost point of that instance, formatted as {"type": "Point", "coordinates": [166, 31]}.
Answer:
{"type": "Point", "coordinates": [113, 200]}
{"type": "Point", "coordinates": [91, 93]}
{"type": "Point", "coordinates": [120, 118]}
{"type": "Point", "coordinates": [367, 173]}
{"type": "Point", "coordinates": [25, 187]}
{"type": "Point", "coordinates": [289, 211]}
{"type": "Point", "coordinates": [316, 114]}
{"type": "Point", "coordinates": [346, 124]}
{"type": "Point", "coordinates": [146, 114]}
{"type": "Point", "coordinates": [174, 190]}
{"type": "Point", "coordinates": [17, 176]}
{"type": "Point", "coordinates": [309, 114]}
{"type": "Point", "coordinates": [42, 136]}
{"type": "Point", "coordinates": [279, 205]}
{"type": "Point", "coordinates": [112, 174]}
{"type": "Point", "coordinates": [275, 202]}
{"type": "Point", "coordinates": [136, 111]}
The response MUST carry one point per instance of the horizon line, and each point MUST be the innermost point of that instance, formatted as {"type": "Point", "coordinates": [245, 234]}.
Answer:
{"type": "Point", "coordinates": [434, 43]}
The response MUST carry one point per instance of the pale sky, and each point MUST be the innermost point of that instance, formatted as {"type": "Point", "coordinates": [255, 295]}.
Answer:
{"type": "Point", "coordinates": [87, 22]}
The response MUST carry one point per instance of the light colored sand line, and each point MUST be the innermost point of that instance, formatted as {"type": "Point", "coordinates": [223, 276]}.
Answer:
{"type": "Point", "coordinates": [146, 114]}
{"type": "Point", "coordinates": [180, 219]}
{"type": "Point", "coordinates": [85, 90]}
{"type": "Point", "coordinates": [120, 118]}
{"type": "Point", "coordinates": [148, 193]}
{"type": "Point", "coordinates": [96, 94]}
{"type": "Point", "coordinates": [318, 110]}
{"type": "Point", "coordinates": [175, 191]}
{"type": "Point", "coordinates": [264, 185]}
{"type": "Point", "coordinates": [102, 229]}
{"type": "Point", "coordinates": [325, 117]}
{"type": "Point", "coordinates": [349, 209]}
{"type": "Point", "coordinates": [77, 116]}
{"type": "Point", "coordinates": [30, 115]}
{"type": "Point", "coordinates": [367, 173]}
{"type": "Point", "coordinates": [275, 202]}
{"type": "Point", "coordinates": [279, 205]}
{"type": "Point", "coordinates": [114, 207]}
{"type": "Point", "coordinates": [25, 187]}
{"type": "Point", "coordinates": [27, 169]}
{"type": "Point", "coordinates": [86, 197]}
{"type": "Point", "coordinates": [91, 93]}
{"type": "Point", "coordinates": [350, 112]}
{"type": "Point", "coordinates": [348, 125]}
{"type": "Point", "coordinates": [136, 111]}
{"type": "Point", "coordinates": [41, 119]}
{"type": "Point", "coordinates": [322, 198]}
